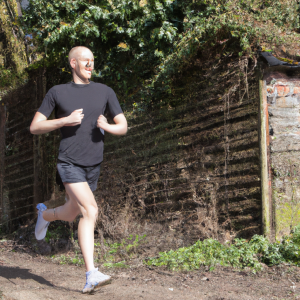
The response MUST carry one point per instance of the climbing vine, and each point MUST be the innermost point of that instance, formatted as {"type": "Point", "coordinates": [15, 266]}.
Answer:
{"type": "Point", "coordinates": [140, 46]}
{"type": "Point", "coordinates": [240, 26]}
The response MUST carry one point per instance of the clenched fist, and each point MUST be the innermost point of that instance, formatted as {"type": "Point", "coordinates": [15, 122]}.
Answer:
{"type": "Point", "coordinates": [102, 122]}
{"type": "Point", "coordinates": [75, 118]}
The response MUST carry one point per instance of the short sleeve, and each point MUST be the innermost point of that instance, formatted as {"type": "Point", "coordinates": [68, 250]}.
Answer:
{"type": "Point", "coordinates": [48, 103]}
{"type": "Point", "coordinates": [113, 104]}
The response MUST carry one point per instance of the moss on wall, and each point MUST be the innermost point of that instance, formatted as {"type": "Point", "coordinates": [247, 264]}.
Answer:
{"type": "Point", "coordinates": [287, 217]}
{"type": "Point", "coordinates": [13, 60]}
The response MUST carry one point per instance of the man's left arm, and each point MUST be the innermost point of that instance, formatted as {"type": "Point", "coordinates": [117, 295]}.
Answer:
{"type": "Point", "coordinates": [119, 128]}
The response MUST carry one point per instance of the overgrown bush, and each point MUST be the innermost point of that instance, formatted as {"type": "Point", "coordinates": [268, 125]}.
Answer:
{"type": "Point", "coordinates": [141, 46]}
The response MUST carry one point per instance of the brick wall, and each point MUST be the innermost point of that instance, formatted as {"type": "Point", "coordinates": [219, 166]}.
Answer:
{"type": "Point", "coordinates": [283, 97]}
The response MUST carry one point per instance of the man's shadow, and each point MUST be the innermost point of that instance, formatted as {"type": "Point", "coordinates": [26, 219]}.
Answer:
{"type": "Point", "coordinates": [16, 272]}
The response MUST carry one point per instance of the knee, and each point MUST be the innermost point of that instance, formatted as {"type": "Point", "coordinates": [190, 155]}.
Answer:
{"type": "Point", "coordinates": [91, 212]}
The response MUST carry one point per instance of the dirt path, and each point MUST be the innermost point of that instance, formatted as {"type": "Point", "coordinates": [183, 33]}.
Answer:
{"type": "Point", "coordinates": [25, 276]}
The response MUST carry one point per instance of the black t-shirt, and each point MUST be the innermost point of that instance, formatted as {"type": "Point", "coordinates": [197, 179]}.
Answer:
{"type": "Point", "coordinates": [81, 144]}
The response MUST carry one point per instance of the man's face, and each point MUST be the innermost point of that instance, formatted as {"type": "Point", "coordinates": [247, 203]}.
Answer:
{"type": "Point", "coordinates": [83, 64]}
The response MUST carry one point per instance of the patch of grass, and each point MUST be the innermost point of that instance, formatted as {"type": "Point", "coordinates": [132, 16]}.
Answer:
{"type": "Point", "coordinates": [76, 259]}
{"type": "Point", "coordinates": [118, 253]}
{"type": "Point", "coordinates": [55, 233]}
{"type": "Point", "coordinates": [114, 255]}
{"type": "Point", "coordinates": [66, 259]}
{"type": "Point", "coordinates": [120, 264]}
{"type": "Point", "coordinates": [240, 254]}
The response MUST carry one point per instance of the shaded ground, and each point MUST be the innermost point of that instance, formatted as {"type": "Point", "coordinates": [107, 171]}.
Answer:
{"type": "Point", "coordinates": [32, 276]}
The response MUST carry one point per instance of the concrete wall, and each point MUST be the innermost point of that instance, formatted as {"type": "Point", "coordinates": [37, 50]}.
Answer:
{"type": "Point", "coordinates": [283, 98]}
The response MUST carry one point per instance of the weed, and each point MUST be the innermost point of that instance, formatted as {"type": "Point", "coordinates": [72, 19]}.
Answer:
{"type": "Point", "coordinates": [63, 260]}
{"type": "Point", "coordinates": [239, 255]}
{"type": "Point", "coordinates": [56, 233]}
{"type": "Point", "coordinates": [120, 264]}
{"type": "Point", "coordinates": [116, 254]}
{"type": "Point", "coordinates": [113, 256]}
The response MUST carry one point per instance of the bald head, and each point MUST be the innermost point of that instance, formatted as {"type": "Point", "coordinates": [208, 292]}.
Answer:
{"type": "Point", "coordinates": [81, 60]}
{"type": "Point", "coordinates": [78, 52]}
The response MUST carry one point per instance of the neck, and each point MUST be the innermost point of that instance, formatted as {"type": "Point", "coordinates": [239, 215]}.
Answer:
{"type": "Point", "coordinates": [79, 80]}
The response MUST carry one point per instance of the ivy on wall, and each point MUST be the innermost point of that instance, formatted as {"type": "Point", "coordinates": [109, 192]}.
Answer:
{"type": "Point", "coordinates": [235, 26]}
{"type": "Point", "coordinates": [141, 46]}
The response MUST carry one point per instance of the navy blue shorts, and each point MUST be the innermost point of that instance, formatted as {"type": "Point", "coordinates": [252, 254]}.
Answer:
{"type": "Point", "coordinates": [70, 173]}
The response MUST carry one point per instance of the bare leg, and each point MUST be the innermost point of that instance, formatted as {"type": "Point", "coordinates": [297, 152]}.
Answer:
{"type": "Point", "coordinates": [82, 193]}
{"type": "Point", "coordinates": [67, 197]}
{"type": "Point", "coordinates": [66, 212]}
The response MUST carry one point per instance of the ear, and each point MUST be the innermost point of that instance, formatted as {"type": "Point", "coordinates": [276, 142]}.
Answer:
{"type": "Point", "coordinates": [73, 63]}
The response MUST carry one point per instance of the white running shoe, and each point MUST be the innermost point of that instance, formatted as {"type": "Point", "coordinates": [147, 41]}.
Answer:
{"type": "Point", "coordinates": [95, 279]}
{"type": "Point", "coordinates": [41, 225]}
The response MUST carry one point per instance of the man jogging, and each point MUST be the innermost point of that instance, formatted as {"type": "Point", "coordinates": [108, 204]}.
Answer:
{"type": "Point", "coordinates": [79, 112]}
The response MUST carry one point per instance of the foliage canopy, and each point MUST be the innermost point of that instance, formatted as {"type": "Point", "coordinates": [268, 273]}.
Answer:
{"type": "Point", "coordinates": [144, 43]}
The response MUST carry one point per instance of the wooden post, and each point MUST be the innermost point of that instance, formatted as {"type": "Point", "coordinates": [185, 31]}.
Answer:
{"type": "Point", "coordinates": [264, 165]}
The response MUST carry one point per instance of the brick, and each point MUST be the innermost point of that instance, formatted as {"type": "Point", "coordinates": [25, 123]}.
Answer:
{"type": "Point", "coordinates": [296, 90]}
{"type": "Point", "coordinates": [282, 90]}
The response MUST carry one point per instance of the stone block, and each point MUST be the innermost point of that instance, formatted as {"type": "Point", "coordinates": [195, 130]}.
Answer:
{"type": "Point", "coordinates": [283, 162]}
{"type": "Point", "coordinates": [279, 128]}
{"type": "Point", "coordinates": [292, 125]}
{"type": "Point", "coordinates": [284, 113]}
{"type": "Point", "coordinates": [282, 90]}
{"type": "Point", "coordinates": [285, 142]}
{"type": "Point", "coordinates": [287, 102]}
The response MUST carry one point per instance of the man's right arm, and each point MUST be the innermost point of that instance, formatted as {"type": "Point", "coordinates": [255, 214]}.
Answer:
{"type": "Point", "coordinates": [40, 124]}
